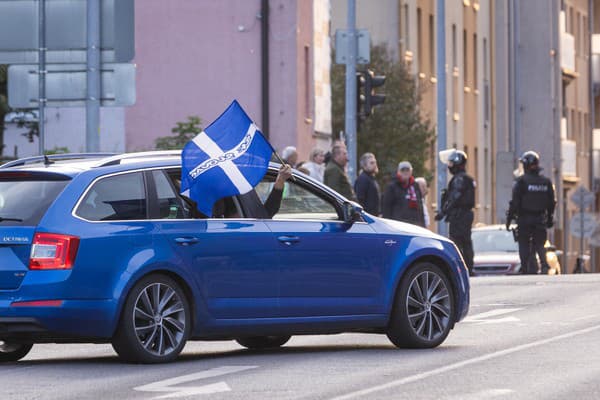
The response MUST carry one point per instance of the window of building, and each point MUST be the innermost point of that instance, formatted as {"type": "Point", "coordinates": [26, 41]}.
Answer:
{"type": "Point", "coordinates": [465, 59]}
{"type": "Point", "coordinates": [431, 46]}
{"type": "Point", "coordinates": [475, 76]}
{"type": "Point", "coordinates": [454, 58]}
{"type": "Point", "coordinates": [419, 40]}
{"type": "Point", "coordinates": [577, 33]}
{"type": "Point", "coordinates": [406, 27]}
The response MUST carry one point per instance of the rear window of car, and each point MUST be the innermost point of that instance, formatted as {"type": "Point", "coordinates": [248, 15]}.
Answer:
{"type": "Point", "coordinates": [119, 197]}
{"type": "Point", "coordinates": [25, 198]}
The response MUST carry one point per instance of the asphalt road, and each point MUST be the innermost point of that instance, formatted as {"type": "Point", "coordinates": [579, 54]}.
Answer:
{"type": "Point", "coordinates": [526, 337]}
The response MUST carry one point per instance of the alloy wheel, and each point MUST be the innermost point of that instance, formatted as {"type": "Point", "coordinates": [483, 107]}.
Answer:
{"type": "Point", "coordinates": [428, 305]}
{"type": "Point", "coordinates": [159, 319]}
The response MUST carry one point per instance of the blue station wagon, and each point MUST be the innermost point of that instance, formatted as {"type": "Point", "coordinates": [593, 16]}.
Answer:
{"type": "Point", "coordinates": [103, 249]}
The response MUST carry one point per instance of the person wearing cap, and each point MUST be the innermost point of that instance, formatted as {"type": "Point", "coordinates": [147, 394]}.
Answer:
{"type": "Point", "coordinates": [402, 199]}
{"type": "Point", "coordinates": [532, 205]}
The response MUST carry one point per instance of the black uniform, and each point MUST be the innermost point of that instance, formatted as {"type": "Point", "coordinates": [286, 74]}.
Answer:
{"type": "Point", "coordinates": [532, 205]}
{"type": "Point", "coordinates": [367, 193]}
{"type": "Point", "coordinates": [457, 207]}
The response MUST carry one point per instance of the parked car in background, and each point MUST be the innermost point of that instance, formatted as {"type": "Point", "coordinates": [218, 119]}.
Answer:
{"type": "Point", "coordinates": [104, 249]}
{"type": "Point", "coordinates": [497, 253]}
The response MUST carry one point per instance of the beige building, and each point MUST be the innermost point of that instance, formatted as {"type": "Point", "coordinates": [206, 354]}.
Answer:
{"type": "Point", "coordinates": [408, 28]}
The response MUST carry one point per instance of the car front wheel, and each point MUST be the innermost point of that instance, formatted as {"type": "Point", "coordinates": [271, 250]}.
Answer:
{"type": "Point", "coordinates": [13, 351]}
{"type": "Point", "coordinates": [263, 342]}
{"type": "Point", "coordinates": [155, 322]}
{"type": "Point", "coordinates": [423, 311]}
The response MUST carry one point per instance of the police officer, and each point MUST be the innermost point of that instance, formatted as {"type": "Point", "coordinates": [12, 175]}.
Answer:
{"type": "Point", "coordinates": [458, 201]}
{"type": "Point", "coordinates": [532, 205]}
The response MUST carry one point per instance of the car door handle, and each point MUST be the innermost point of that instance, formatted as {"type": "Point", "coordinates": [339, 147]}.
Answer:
{"type": "Point", "coordinates": [288, 240]}
{"type": "Point", "coordinates": [186, 241]}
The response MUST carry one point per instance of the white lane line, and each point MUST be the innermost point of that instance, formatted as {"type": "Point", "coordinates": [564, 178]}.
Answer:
{"type": "Point", "coordinates": [168, 385]}
{"type": "Point", "coordinates": [491, 313]}
{"type": "Point", "coordinates": [481, 395]}
{"type": "Point", "coordinates": [460, 364]}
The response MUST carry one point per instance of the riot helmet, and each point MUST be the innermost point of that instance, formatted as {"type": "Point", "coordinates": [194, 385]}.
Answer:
{"type": "Point", "coordinates": [457, 161]}
{"type": "Point", "coordinates": [530, 160]}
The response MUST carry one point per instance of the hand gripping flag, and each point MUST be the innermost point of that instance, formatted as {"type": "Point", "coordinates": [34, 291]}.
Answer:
{"type": "Point", "coordinates": [229, 157]}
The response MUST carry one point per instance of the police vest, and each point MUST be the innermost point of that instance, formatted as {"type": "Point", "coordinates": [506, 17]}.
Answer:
{"type": "Point", "coordinates": [466, 185]}
{"type": "Point", "coordinates": [535, 193]}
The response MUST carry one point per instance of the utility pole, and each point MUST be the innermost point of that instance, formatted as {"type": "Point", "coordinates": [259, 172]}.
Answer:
{"type": "Point", "coordinates": [92, 104]}
{"type": "Point", "coordinates": [441, 103]}
{"type": "Point", "coordinates": [350, 124]}
{"type": "Point", "coordinates": [41, 73]}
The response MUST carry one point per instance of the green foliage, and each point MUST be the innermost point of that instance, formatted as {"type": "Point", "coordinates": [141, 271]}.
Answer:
{"type": "Point", "coordinates": [57, 150]}
{"type": "Point", "coordinates": [184, 132]}
{"type": "Point", "coordinates": [396, 130]}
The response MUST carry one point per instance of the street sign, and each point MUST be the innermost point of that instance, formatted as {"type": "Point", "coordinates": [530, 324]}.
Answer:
{"type": "Point", "coordinates": [66, 38]}
{"type": "Point", "coordinates": [587, 221]}
{"type": "Point", "coordinates": [582, 197]}
{"type": "Point", "coordinates": [363, 46]}
{"type": "Point", "coordinates": [66, 85]}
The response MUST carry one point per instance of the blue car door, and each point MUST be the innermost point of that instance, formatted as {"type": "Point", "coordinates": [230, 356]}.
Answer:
{"type": "Point", "coordinates": [234, 260]}
{"type": "Point", "coordinates": [327, 267]}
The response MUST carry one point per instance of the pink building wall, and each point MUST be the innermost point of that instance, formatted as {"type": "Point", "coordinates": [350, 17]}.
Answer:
{"type": "Point", "coordinates": [195, 56]}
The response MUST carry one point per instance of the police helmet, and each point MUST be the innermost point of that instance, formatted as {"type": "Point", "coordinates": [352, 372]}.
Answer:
{"type": "Point", "coordinates": [458, 158]}
{"type": "Point", "coordinates": [530, 159]}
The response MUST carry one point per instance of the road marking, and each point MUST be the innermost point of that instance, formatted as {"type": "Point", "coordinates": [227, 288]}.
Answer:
{"type": "Point", "coordinates": [461, 364]}
{"type": "Point", "coordinates": [484, 318]}
{"type": "Point", "coordinates": [484, 394]}
{"type": "Point", "coordinates": [169, 385]}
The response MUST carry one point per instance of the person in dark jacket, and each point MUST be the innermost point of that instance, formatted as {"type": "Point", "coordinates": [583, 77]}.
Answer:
{"type": "Point", "coordinates": [532, 205]}
{"type": "Point", "coordinates": [335, 175]}
{"type": "Point", "coordinates": [457, 206]}
{"type": "Point", "coordinates": [402, 199]}
{"type": "Point", "coordinates": [366, 187]}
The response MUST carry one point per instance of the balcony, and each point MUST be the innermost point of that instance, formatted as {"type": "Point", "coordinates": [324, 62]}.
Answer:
{"type": "Point", "coordinates": [567, 56]}
{"type": "Point", "coordinates": [569, 160]}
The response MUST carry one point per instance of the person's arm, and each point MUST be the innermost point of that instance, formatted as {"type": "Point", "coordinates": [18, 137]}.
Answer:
{"type": "Point", "coordinates": [361, 189]}
{"type": "Point", "coordinates": [514, 204]}
{"type": "Point", "coordinates": [273, 202]}
{"type": "Point", "coordinates": [387, 201]}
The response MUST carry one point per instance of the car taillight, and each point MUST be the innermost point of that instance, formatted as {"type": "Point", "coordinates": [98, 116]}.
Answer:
{"type": "Point", "coordinates": [53, 251]}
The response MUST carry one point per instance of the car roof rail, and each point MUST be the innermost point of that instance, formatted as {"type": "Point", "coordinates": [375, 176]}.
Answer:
{"type": "Point", "coordinates": [116, 159]}
{"type": "Point", "coordinates": [50, 158]}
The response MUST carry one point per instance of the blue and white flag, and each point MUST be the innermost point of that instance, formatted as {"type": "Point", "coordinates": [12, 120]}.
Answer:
{"type": "Point", "coordinates": [229, 157]}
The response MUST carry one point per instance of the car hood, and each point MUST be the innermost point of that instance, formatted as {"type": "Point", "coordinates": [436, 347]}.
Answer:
{"type": "Point", "coordinates": [496, 257]}
{"type": "Point", "coordinates": [410, 229]}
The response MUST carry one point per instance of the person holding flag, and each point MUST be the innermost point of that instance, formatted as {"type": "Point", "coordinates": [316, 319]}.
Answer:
{"type": "Point", "coordinates": [230, 157]}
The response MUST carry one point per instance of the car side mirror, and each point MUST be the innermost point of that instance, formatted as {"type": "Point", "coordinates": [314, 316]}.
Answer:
{"type": "Point", "coordinates": [352, 212]}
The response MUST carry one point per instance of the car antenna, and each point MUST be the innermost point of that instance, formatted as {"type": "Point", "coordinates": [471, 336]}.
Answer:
{"type": "Point", "coordinates": [47, 161]}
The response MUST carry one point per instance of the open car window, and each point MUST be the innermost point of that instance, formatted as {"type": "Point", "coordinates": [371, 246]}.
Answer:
{"type": "Point", "coordinates": [299, 201]}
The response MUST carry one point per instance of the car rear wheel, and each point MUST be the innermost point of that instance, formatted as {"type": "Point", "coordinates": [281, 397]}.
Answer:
{"type": "Point", "coordinates": [263, 342]}
{"type": "Point", "coordinates": [155, 322]}
{"type": "Point", "coordinates": [423, 311]}
{"type": "Point", "coordinates": [13, 351]}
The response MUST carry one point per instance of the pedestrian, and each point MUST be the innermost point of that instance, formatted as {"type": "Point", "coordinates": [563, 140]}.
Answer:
{"type": "Point", "coordinates": [424, 191]}
{"type": "Point", "coordinates": [458, 201]}
{"type": "Point", "coordinates": [402, 199]}
{"type": "Point", "coordinates": [366, 187]}
{"type": "Point", "coordinates": [335, 173]}
{"type": "Point", "coordinates": [316, 164]}
{"type": "Point", "coordinates": [532, 205]}
{"type": "Point", "coordinates": [289, 155]}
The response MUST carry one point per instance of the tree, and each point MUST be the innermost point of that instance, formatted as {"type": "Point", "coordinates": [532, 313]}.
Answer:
{"type": "Point", "coordinates": [396, 130]}
{"type": "Point", "coordinates": [185, 131]}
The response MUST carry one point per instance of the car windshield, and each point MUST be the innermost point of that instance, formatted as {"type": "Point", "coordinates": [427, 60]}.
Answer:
{"type": "Point", "coordinates": [23, 203]}
{"type": "Point", "coordinates": [488, 241]}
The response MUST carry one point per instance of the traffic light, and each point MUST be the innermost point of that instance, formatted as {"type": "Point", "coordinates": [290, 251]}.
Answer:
{"type": "Point", "coordinates": [360, 95]}
{"type": "Point", "coordinates": [372, 99]}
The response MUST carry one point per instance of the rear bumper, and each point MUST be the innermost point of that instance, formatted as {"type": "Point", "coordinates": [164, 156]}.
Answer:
{"type": "Point", "coordinates": [73, 320]}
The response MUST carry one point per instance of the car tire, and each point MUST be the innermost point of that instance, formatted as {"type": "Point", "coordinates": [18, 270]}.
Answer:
{"type": "Point", "coordinates": [263, 342]}
{"type": "Point", "coordinates": [424, 308]}
{"type": "Point", "coordinates": [155, 322]}
{"type": "Point", "coordinates": [13, 351]}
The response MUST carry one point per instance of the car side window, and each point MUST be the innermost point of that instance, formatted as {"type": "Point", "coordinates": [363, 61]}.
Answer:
{"type": "Point", "coordinates": [298, 202]}
{"type": "Point", "coordinates": [169, 204]}
{"type": "Point", "coordinates": [118, 197]}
